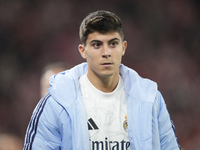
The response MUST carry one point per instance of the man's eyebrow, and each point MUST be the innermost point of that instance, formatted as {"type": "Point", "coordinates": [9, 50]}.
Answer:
{"type": "Point", "coordinates": [113, 40]}
{"type": "Point", "coordinates": [95, 41]}
{"type": "Point", "coordinates": [108, 41]}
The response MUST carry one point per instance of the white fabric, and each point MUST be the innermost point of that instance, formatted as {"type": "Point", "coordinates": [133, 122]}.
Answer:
{"type": "Point", "coordinates": [108, 111]}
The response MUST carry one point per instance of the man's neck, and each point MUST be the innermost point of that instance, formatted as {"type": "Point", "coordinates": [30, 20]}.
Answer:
{"type": "Point", "coordinates": [104, 84]}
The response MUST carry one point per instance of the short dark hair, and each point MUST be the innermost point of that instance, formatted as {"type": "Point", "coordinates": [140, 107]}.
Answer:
{"type": "Point", "coordinates": [101, 21]}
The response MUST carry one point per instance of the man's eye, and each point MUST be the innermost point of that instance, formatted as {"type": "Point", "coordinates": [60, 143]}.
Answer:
{"type": "Point", "coordinates": [114, 43]}
{"type": "Point", "coordinates": [96, 45]}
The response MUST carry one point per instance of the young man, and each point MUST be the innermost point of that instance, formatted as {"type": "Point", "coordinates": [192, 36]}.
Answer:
{"type": "Point", "coordinates": [101, 104]}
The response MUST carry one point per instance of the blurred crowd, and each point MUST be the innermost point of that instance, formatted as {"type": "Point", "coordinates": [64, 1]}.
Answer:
{"type": "Point", "coordinates": [163, 45]}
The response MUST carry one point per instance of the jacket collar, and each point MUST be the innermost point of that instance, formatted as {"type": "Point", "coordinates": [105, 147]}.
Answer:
{"type": "Point", "coordinates": [140, 95]}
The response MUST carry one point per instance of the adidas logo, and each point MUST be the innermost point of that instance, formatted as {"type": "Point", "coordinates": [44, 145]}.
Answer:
{"type": "Point", "coordinates": [92, 125]}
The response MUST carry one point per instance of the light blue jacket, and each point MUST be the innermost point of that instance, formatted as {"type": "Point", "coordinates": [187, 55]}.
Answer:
{"type": "Point", "coordinates": [59, 120]}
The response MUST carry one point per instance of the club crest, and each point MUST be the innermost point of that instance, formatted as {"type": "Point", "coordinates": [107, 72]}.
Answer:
{"type": "Point", "coordinates": [125, 124]}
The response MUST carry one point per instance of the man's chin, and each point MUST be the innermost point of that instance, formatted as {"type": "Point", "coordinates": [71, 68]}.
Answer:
{"type": "Point", "coordinates": [106, 75]}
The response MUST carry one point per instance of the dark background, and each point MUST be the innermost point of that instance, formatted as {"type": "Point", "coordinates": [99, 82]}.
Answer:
{"type": "Point", "coordinates": [163, 45]}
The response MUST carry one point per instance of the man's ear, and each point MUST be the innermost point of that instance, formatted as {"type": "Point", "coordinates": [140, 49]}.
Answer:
{"type": "Point", "coordinates": [81, 49]}
{"type": "Point", "coordinates": [124, 47]}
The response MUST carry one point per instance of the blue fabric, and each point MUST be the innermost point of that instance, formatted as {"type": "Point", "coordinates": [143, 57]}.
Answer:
{"type": "Point", "coordinates": [59, 120]}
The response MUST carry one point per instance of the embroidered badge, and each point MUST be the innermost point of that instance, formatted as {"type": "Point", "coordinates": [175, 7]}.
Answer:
{"type": "Point", "coordinates": [125, 124]}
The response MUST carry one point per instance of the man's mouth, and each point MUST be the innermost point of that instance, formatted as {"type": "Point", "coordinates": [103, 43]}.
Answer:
{"type": "Point", "coordinates": [107, 64]}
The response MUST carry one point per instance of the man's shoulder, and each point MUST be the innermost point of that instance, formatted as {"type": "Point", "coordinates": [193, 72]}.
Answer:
{"type": "Point", "coordinates": [133, 76]}
{"type": "Point", "coordinates": [138, 87]}
{"type": "Point", "coordinates": [48, 103]}
{"type": "Point", "coordinates": [64, 87]}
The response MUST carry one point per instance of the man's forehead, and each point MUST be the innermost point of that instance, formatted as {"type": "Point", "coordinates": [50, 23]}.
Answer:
{"type": "Point", "coordinates": [104, 37]}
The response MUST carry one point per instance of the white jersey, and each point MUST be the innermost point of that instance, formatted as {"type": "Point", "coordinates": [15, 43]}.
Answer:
{"type": "Point", "coordinates": [107, 116]}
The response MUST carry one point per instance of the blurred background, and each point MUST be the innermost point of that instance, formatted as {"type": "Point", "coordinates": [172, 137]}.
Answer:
{"type": "Point", "coordinates": [163, 45]}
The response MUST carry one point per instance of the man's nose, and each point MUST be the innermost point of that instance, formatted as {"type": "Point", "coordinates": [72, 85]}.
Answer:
{"type": "Point", "coordinates": [106, 52]}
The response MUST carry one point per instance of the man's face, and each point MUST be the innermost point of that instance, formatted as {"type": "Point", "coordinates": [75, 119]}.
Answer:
{"type": "Point", "coordinates": [103, 53]}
